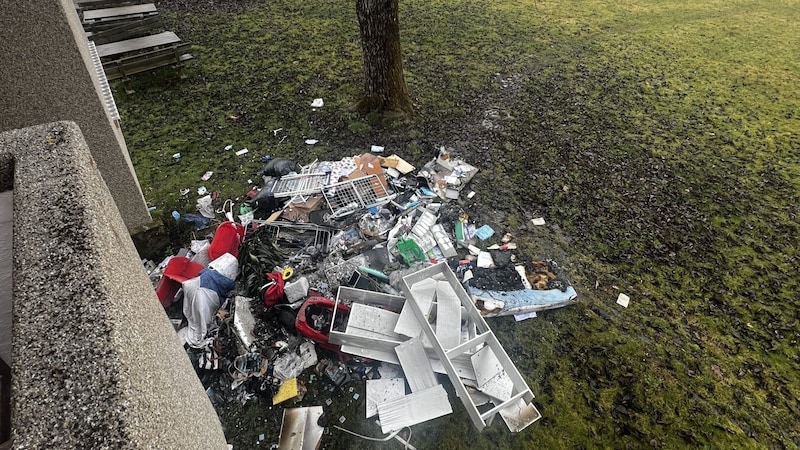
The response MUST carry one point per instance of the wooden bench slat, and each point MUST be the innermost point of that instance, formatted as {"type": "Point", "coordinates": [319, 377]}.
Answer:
{"type": "Point", "coordinates": [106, 13]}
{"type": "Point", "coordinates": [130, 45]}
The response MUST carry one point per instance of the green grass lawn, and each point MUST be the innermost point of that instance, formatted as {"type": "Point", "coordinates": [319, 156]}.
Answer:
{"type": "Point", "coordinates": [660, 140]}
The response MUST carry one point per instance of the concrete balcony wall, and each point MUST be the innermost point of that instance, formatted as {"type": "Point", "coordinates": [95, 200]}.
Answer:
{"type": "Point", "coordinates": [46, 76]}
{"type": "Point", "coordinates": [96, 363]}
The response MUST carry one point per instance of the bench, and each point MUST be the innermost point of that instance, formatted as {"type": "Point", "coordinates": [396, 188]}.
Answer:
{"type": "Point", "coordinates": [101, 19]}
{"type": "Point", "coordinates": [85, 5]}
{"type": "Point", "coordinates": [128, 30]}
{"type": "Point", "coordinates": [123, 58]}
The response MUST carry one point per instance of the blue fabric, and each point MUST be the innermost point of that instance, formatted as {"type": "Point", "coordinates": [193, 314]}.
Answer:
{"type": "Point", "coordinates": [526, 300]}
{"type": "Point", "coordinates": [211, 279]}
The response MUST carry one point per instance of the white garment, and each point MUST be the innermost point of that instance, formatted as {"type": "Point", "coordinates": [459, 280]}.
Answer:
{"type": "Point", "coordinates": [199, 306]}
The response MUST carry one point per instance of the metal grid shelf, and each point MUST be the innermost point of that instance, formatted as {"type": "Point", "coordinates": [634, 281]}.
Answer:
{"type": "Point", "coordinates": [349, 196]}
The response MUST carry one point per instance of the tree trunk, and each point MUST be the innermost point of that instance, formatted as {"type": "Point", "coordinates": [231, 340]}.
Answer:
{"type": "Point", "coordinates": [384, 84]}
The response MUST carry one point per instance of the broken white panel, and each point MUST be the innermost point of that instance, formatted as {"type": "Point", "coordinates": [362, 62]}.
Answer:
{"type": "Point", "coordinates": [414, 408]}
{"type": "Point", "coordinates": [623, 300]}
{"type": "Point", "coordinates": [519, 415]}
{"type": "Point", "coordinates": [477, 397]}
{"type": "Point", "coordinates": [383, 390]}
{"type": "Point", "coordinates": [377, 355]}
{"type": "Point", "coordinates": [486, 365]}
{"type": "Point", "coordinates": [500, 387]}
{"type": "Point", "coordinates": [538, 221]}
{"type": "Point", "coordinates": [388, 370]}
{"type": "Point", "coordinates": [443, 241]}
{"type": "Point", "coordinates": [376, 322]}
{"type": "Point", "coordinates": [424, 293]}
{"type": "Point", "coordinates": [448, 316]}
{"type": "Point", "coordinates": [243, 321]}
{"type": "Point", "coordinates": [461, 365]}
{"type": "Point", "coordinates": [421, 230]}
{"type": "Point", "coordinates": [416, 365]}
{"type": "Point", "coordinates": [299, 429]}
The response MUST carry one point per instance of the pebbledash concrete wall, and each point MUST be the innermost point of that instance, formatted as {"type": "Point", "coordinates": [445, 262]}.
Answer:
{"type": "Point", "coordinates": [46, 76]}
{"type": "Point", "coordinates": [96, 363]}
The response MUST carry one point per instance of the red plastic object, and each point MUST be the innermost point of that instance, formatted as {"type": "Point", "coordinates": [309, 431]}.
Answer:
{"type": "Point", "coordinates": [178, 270]}
{"type": "Point", "coordinates": [274, 293]}
{"type": "Point", "coordinates": [227, 238]}
{"type": "Point", "coordinates": [166, 290]}
{"type": "Point", "coordinates": [317, 305]}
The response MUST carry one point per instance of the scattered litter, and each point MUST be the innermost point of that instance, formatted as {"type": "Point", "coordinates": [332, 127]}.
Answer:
{"type": "Point", "coordinates": [484, 232]}
{"type": "Point", "coordinates": [151, 208]}
{"type": "Point", "coordinates": [176, 156]}
{"type": "Point", "coordinates": [623, 300]}
{"type": "Point", "coordinates": [204, 204]}
{"type": "Point", "coordinates": [185, 191]}
{"type": "Point", "coordinates": [356, 272]}
{"type": "Point", "coordinates": [311, 141]}
{"type": "Point", "coordinates": [287, 391]}
{"type": "Point", "coordinates": [539, 221]}
{"type": "Point", "coordinates": [206, 176]}
{"type": "Point", "coordinates": [228, 147]}
{"type": "Point", "coordinates": [485, 260]}
{"type": "Point", "coordinates": [524, 316]}
{"type": "Point", "coordinates": [317, 103]}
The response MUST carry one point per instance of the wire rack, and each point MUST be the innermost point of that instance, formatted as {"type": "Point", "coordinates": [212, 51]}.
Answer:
{"type": "Point", "coordinates": [299, 187]}
{"type": "Point", "coordinates": [349, 196]}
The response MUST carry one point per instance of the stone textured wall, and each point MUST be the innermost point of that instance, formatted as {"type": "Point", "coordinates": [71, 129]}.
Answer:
{"type": "Point", "coordinates": [45, 77]}
{"type": "Point", "coordinates": [96, 361]}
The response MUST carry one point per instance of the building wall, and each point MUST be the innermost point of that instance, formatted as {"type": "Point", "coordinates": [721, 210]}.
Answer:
{"type": "Point", "coordinates": [45, 77]}
{"type": "Point", "coordinates": [5, 275]}
{"type": "Point", "coordinates": [97, 363]}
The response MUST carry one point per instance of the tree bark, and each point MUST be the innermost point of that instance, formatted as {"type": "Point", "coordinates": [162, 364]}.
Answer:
{"type": "Point", "coordinates": [384, 84]}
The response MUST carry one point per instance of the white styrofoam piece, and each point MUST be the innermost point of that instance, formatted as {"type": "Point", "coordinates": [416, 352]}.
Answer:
{"type": "Point", "coordinates": [448, 316]}
{"type": "Point", "coordinates": [486, 365]}
{"type": "Point", "coordinates": [414, 408]}
{"type": "Point", "coordinates": [424, 293]}
{"type": "Point", "coordinates": [519, 415]}
{"type": "Point", "coordinates": [443, 240]}
{"type": "Point", "coordinates": [383, 390]}
{"type": "Point", "coordinates": [416, 365]}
